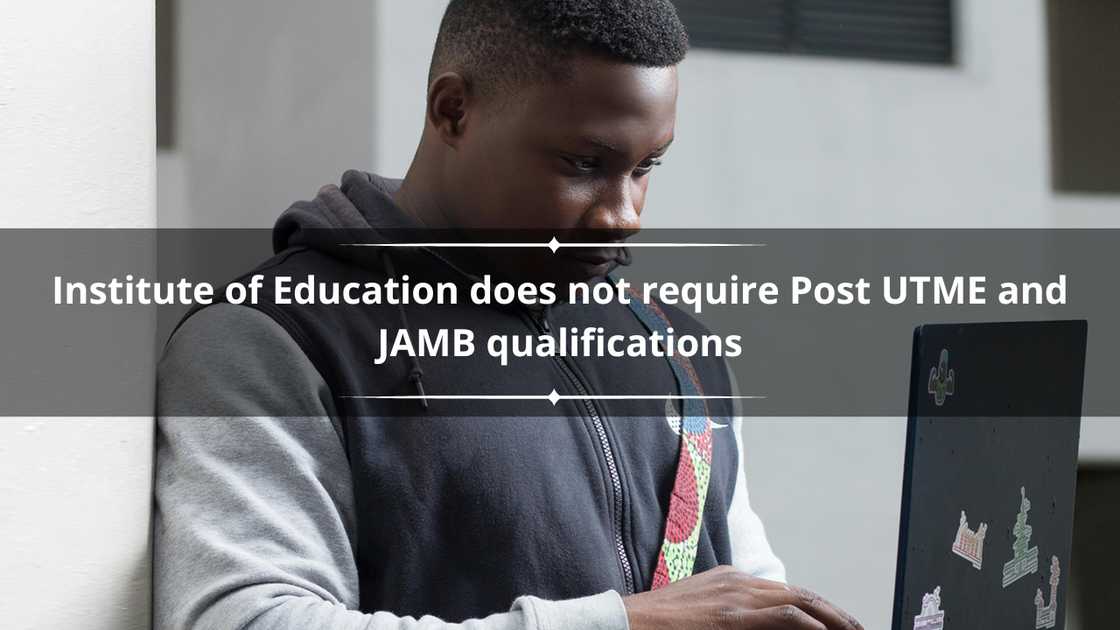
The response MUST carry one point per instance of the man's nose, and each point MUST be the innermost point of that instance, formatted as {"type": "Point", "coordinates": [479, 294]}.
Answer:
{"type": "Point", "coordinates": [617, 212]}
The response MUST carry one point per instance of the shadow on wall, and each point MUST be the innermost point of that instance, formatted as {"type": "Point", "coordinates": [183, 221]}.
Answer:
{"type": "Point", "coordinates": [1094, 586]}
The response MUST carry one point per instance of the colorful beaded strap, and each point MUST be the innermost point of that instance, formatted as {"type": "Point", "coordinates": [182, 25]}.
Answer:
{"type": "Point", "coordinates": [694, 464]}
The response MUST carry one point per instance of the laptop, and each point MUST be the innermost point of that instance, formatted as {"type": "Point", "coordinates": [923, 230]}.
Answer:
{"type": "Point", "coordinates": [991, 462]}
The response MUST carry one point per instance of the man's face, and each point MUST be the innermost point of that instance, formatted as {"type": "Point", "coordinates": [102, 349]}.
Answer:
{"type": "Point", "coordinates": [571, 158]}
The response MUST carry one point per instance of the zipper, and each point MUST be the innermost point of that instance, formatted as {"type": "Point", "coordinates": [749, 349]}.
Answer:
{"type": "Point", "coordinates": [540, 319]}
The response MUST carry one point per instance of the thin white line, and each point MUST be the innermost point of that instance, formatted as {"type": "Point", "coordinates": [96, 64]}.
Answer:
{"type": "Point", "coordinates": [549, 397]}
{"type": "Point", "coordinates": [511, 245]}
{"type": "Point", "coordinates": [585, 245]}
{"type": "Point", "coordinates": [448, 397]}
{"type": "Point", "coordinates": [549, 246]}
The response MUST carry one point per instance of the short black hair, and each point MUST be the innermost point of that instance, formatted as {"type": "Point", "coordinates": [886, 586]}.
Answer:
{"type": "Point", "coordinates": [496, 43]}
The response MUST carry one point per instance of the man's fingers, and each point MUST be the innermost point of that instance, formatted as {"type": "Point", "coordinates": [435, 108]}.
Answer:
{"type": "Point", "coordinates": [812, 604]}
{"type": "Point", "coordinates": [785, 617]}
{"type": "Point", "coordinates": [793, 606]}
{"type": "Point", "coordinates": [768, 585]}
{"type": "Point", "coordinates": [847, 622]}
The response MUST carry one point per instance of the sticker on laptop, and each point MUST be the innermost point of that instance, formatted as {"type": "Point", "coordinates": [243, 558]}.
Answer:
{"type": "Point", "coordinates": [931, 617]}
{"type": "Point", "coordinates": [970, 544]}
{"type": "Point", "coordinates": [1047, 616]}
{"type": "Point", "coordinates": [942, 380]}
{"type": "Point", "coordinates": [1024, 560]}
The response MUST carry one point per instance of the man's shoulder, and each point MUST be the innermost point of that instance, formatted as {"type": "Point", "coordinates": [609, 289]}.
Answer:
{"type": "Point", "coordinates": [222, 329]}
{"type": "Point", "coordinates": [233, 360]}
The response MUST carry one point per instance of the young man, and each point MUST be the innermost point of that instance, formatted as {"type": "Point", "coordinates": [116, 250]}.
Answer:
{"type": "Point", "coordinates": [319, 506]}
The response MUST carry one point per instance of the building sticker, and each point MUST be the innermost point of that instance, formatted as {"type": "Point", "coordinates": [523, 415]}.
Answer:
{"type": "Point", "coordinates": [970, 544]}
{"type": "Point", "coordinates": [1025, 558]}
{"type": "Point", "coordinates": [1047, 616]}
{"type": "Point", "coordinates": [942, 380]}
{"type": "Point", "coordinates": [931, 617]}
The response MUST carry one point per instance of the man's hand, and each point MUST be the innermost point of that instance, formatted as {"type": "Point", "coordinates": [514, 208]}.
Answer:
{"type": "Point", "coordinates": [726, 599]}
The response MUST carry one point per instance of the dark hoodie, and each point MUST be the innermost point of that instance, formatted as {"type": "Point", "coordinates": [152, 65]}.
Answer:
{"type": "Point", "coordinates": [461, 506]}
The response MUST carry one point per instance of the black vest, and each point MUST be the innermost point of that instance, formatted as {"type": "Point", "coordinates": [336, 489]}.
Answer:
{"type": "Point", "coordinates": [464, 505]}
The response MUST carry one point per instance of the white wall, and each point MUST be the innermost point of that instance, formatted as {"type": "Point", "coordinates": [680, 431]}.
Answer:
{"type": "Point", "coordinates": [77, 149]}
{"type": "Point", "coordinates": [405, 33]}
{"type": "Point", "coordinates": [781, 141]}
{"type": "Point", "coordinates": [272, 101]}
{"type": "Point", "coordinates": [773, 141]}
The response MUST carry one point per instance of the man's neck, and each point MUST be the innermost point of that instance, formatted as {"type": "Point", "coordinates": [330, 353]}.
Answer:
{"type": "Point", "coordinates": [419, 195]}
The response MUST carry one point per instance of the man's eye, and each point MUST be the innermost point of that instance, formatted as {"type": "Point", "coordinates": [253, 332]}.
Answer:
{"type": "Point", "coordinates": [583, 164]}
{"type": "Point", "coordinates": [646, 166]}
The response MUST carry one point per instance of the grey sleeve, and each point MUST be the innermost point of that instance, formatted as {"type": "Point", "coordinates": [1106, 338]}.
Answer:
{"type": "Point", "coordinates": [254, 516]}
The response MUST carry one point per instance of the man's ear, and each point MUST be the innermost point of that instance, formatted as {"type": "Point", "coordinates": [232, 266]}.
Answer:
{"type": "Point", "coordinates": [449, 101]}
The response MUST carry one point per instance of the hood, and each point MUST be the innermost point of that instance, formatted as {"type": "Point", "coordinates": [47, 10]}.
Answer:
{"type": "Point", "coordinates": [361, 207]}
{"type": "Point", "coordinates": [361, 210]}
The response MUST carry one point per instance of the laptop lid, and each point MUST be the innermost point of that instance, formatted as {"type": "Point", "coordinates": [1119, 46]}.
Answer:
{"type": "Point", "coordinates": [991, 460]}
